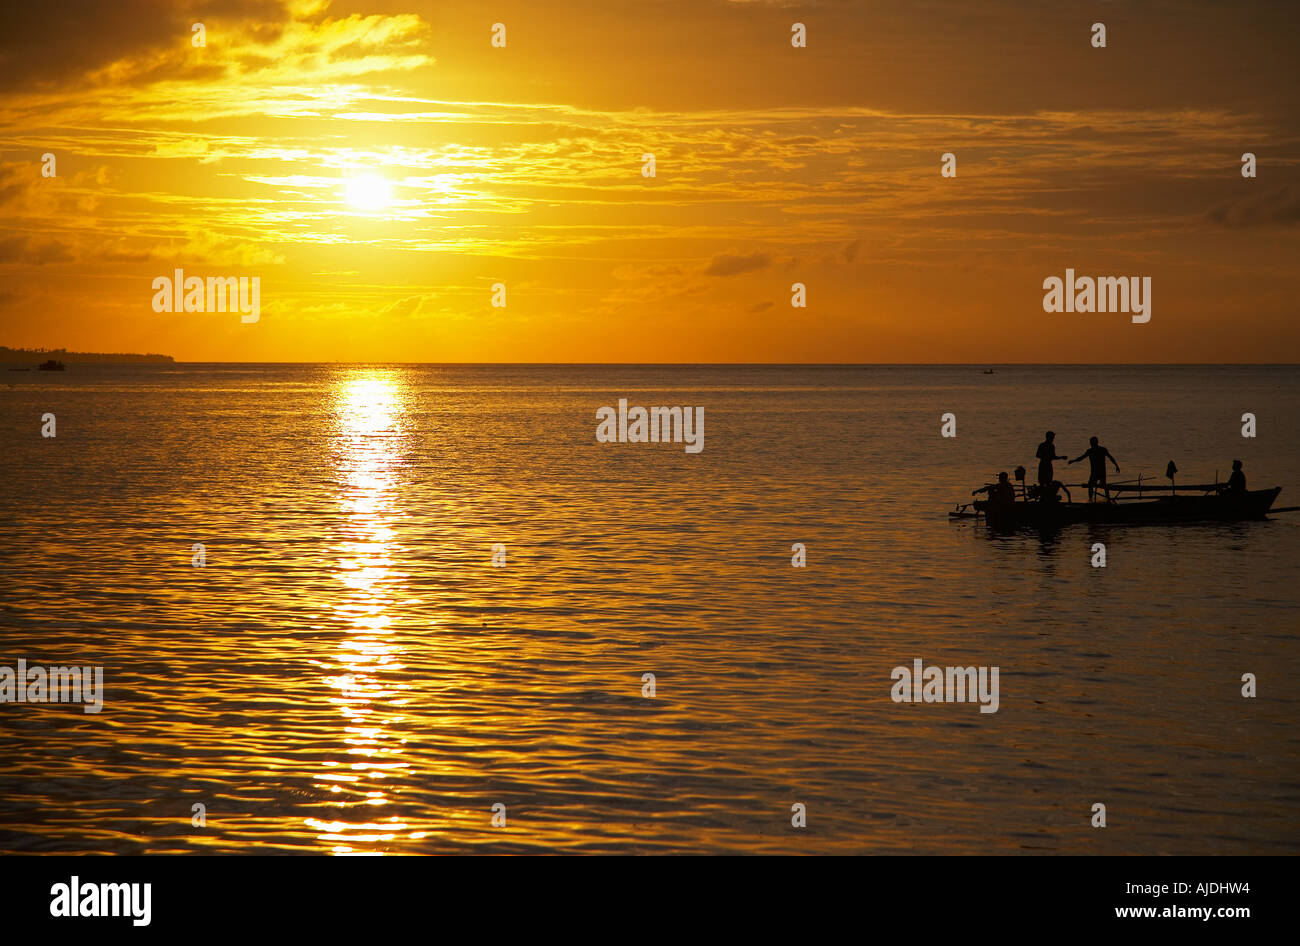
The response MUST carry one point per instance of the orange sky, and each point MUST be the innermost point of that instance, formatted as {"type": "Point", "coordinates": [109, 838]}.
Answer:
{"type": "Point", "coordinates": [774, 165]}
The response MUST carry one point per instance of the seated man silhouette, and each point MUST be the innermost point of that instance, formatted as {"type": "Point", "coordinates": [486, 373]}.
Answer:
{"type": "Point", "coordinates": [1000, 493]}
{"type": "Point", "coordinates": [1237, 481]}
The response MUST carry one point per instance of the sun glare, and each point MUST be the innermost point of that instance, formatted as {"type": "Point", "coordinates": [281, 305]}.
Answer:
{"type": "Point", "coordinates": [368, 192]}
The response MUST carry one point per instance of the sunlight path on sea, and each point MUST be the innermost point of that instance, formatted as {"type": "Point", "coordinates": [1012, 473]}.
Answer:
{"type": "Point", "coordinates": [368, 408]}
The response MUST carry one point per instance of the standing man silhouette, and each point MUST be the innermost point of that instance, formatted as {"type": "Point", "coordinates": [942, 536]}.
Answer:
{"type": "Point", "coordinates": [1097, 455]}
{"type": "Point", "coordinates": [1046, 454]}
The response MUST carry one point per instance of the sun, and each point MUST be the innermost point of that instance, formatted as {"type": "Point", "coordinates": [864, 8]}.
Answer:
{"type": "Point", "coordinates": [368, 192]}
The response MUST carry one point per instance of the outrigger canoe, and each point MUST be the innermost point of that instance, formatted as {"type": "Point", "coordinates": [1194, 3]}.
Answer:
{"type": "Point", "coordinates": [1213, 505]}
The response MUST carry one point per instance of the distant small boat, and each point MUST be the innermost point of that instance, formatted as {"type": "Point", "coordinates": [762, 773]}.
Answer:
{"type": "Point", "coordinates": [52, 365]}
{"type": "Point", "coordinates": [20, 369]}
{"type": "Point", "coordinates": [990, 371]}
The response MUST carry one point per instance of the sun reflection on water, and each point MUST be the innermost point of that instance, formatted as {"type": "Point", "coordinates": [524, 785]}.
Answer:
{"type": "Point", "coordinates": [369, 408]}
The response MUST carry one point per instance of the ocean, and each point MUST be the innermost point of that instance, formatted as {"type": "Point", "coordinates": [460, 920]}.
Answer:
{"type": "Point", "coordinates": [287, 575]}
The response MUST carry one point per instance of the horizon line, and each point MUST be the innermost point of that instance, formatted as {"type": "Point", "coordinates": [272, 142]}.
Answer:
{"type": "Point", "coordinates": [775, 364]}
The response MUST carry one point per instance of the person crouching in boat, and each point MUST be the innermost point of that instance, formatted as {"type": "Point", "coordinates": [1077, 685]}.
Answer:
{"type": "Point", "coordinates": [1097, 455]}
{"type": "Point", "coordinates": [1001, 493]}
{"type": "Point", "coordinates": [1050, 492]}
{"type": "Point", "coordinates": [1046, 454]}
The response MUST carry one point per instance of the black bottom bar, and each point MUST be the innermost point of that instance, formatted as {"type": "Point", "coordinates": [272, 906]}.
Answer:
{"type": "Point", "coordinates": [655, 897]}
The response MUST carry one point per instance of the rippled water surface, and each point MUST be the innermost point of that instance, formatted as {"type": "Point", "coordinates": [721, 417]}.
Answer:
{"type": "Point", "coordinates": [350, 674]}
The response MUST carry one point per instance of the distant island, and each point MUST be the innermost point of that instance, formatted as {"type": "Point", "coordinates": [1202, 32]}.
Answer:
{"type": "Point", "coordinates": [35, 355]}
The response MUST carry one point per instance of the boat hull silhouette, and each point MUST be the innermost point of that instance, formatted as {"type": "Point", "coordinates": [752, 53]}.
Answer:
{"type": "Point", "coordinates": [1175, 509]}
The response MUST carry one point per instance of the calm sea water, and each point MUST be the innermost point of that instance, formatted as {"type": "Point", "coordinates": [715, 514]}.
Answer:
{"type": "Point", "coordinates": [350, 674]}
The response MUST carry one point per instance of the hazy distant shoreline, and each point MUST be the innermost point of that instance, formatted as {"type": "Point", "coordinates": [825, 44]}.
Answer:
{"type": "Point", "coordinates": [973, 365]}
{"type": "Point", "coordinates": [24, 355]}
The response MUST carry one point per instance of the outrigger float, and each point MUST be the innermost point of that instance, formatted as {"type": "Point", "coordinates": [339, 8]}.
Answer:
{"type": "Point", "coordinates": [1131, 504]}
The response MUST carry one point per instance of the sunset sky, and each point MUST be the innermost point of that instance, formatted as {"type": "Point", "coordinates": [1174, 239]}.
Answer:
{"type": "Point", "coordinates": [774, 165]}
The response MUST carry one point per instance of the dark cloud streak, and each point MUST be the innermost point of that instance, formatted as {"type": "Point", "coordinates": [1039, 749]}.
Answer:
{"type": "Point", "coordinates": [46, 43]}
{"type": "Point", "coordinates": [1279, 206]}
{"type": "Point", "coordinates": [726, 264]}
